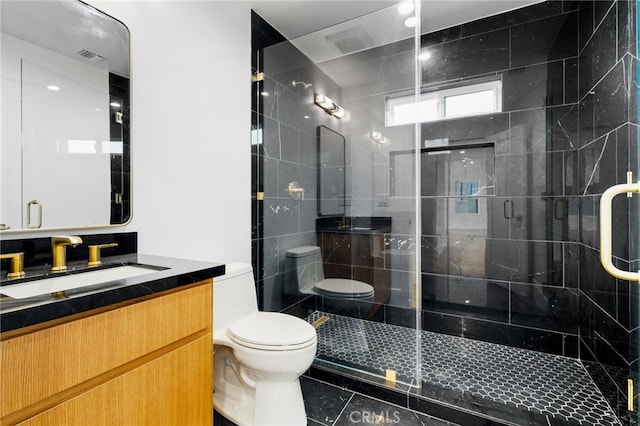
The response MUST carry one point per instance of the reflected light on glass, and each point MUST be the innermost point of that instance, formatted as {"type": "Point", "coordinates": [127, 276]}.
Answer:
{"type": "Point", "coordinates": [53, 88]}
{"type": "Point", "coordinates": [79, 146]}
{"type": "Point", "coordinates": [406, 7]}
{"type": "Point", "coordinates": [424, 56]}
{"type": "Point", "coordinates": [410, 22]}
{"type": "Point", "coordinates": [112, 147]}
{"type": "Point", "coordinates": [115, 104]}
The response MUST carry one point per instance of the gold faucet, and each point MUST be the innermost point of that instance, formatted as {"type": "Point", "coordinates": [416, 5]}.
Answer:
{"type": "Point", "coordinates": [59, 245]}
{"type": "Point", "coordinates": [94, 254]}
{"type": "Point", "coordinates": [16, 268]}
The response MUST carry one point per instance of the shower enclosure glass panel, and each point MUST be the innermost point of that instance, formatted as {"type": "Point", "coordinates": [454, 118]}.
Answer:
{"type": "Point", "coordinates": [362, 280]}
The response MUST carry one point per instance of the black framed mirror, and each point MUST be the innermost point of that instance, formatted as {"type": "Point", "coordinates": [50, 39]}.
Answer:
{"type": "Point", "coordinates": [331, 172]}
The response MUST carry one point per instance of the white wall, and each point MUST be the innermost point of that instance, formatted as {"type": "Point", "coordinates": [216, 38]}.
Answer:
{"type": "Point", "coordinates": [190, 121]}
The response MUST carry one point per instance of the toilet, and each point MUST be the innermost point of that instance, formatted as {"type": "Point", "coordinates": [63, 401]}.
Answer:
{"type": "Point", "coordinates": [259, 356]}
{"type": "Point", "coordinates": [340, 295]}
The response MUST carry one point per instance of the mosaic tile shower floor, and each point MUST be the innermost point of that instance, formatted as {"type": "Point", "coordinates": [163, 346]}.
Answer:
{"type": "Point", "coordinates": [547, 384]}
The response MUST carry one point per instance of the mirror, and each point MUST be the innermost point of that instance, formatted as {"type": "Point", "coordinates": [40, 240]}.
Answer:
{"type": "Point", "coordinates": [65, 117]}
{"type": "Point", "coordinates": [331, 172]}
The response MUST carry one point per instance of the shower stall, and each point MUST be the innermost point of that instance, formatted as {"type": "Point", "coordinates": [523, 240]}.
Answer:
{"type": "Point", "coordinates": [452, 169]}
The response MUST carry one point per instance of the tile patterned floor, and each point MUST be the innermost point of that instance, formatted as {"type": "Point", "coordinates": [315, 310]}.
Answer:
{"type": "Point", "coordinates": [330, 405]}
{"type": "Point", "coordinates": [551, 385]}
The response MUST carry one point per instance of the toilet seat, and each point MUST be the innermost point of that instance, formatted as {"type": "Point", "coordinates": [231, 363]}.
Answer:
{"type": "Point", "coordinates": [272, 331]}
{"type": "Point", "coordinates": [344, 288]}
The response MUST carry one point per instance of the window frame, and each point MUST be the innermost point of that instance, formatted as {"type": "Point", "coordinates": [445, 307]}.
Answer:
{"type": "Point", "coordinates": [440, 96]}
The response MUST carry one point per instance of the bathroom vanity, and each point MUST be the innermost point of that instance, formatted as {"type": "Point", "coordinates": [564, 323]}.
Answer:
{"type": "Point", "coordinates": [135, 350]}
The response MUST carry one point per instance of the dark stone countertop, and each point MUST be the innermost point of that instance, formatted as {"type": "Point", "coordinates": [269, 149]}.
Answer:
{"type": "Point", "coordinates": [169, 273]}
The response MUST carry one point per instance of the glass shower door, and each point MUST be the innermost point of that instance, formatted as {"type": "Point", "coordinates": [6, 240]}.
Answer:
{"type": "Point", "coordinates": [338, 240]}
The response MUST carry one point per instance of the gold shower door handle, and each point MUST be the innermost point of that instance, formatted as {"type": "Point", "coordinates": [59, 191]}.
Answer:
{"type": "Point", "coordinates": [606, 230]}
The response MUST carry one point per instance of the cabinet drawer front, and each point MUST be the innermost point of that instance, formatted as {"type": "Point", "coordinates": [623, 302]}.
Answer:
{"type": "Point", "coordinates": [38, 365]}
{"type": "Point", "coordinates": [174, 389]}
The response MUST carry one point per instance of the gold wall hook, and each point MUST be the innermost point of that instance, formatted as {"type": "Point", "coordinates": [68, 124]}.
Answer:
{"type": "Point", "coordinates": [295, 190]}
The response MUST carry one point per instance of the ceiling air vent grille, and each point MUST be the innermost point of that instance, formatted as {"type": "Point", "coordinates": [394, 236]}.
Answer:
{"type": "Point", "coordinates": [87, 54]}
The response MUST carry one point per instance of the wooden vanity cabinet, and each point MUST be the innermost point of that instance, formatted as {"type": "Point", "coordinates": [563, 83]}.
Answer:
{"type": "Point", "coordinates": [145, 362]}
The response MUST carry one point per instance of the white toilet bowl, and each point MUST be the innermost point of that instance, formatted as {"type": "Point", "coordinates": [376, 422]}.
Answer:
{"type": "Point", "coordinates": [340, 295]}
{"type": "Point", "coordinates": [259, 356]}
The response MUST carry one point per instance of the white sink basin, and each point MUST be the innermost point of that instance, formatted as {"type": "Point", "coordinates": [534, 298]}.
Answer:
{"type": "Point", "coordinates": [68, 282]}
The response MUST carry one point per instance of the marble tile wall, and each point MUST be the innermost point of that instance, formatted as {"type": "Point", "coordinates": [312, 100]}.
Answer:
{"type": "Point", "coordinates": [284, 150]}
{"type": "Point", "coordinates": [529, 276]}
{"type": "Point", "coordinates": [608, 148]}
{"type": "Point", "coordinates": [505, 272]}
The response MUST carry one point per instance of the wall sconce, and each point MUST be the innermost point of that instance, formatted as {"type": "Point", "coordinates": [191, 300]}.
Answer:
{"type": "Point", "coordinates": [377, 137]}
{"type": "Point", "coordinates": [329, 106]}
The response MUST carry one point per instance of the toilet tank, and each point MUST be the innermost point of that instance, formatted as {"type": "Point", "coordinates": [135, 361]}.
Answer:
{"type": "Point", "coordinates": [304, 269]}
{"type": "Point", "coordinates": [234, 295]}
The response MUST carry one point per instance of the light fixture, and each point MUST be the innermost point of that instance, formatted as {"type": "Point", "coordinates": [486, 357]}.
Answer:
{"type": "Point", "coordinates": [377, 137]}
{"type": "Point", "coordinates": [410, 22]}
{"type": "Point", "coordinates": [264, 93]}
{"type": "Point", "coordinates": [53, 88]}
{"type": "Point", "coordinates": [115, 104]}
{"type": "Point", "coordinates": [329, 106]}
{"type": "Point", "coordinates": [424, 56]}
{"type": "Point", "coordinates": [406, 7]}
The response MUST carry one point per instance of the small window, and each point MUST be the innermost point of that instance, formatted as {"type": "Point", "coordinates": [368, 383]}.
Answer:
{"type": "Point", "coordinates": [461, 101]}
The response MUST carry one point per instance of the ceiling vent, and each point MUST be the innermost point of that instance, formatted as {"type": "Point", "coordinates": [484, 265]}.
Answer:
{"type": "Point", "coordinates": [91, 56]}
{"type": "Point", "coordinates": [351, 40]}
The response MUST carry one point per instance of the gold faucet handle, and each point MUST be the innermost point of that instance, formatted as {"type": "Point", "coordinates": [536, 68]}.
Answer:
{"type": "Point", "coordinates": [16, 267]}
{"type": "Point", "coordinates": [94, 253]}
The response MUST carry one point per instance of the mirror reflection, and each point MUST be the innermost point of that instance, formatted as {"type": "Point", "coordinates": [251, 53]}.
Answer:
{"type": "Point", "coordinates": [331, 169]}
{"type": "Point", "coordinates": [65, 114]}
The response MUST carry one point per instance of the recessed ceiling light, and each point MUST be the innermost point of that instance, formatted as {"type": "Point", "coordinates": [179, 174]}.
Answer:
{"type": "Point", "coordinates": [115, 104]}
{"type": "Point", "coordinates": [410, 22]}
{"type": "Point", "coordinates": [406, 7]}
{"type": "Point", "coordinates": [53, 88]}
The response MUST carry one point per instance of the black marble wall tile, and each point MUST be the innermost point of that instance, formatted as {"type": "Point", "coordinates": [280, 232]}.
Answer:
{"type": "Point", "coordinates": [534, 86]}
{"type": "Point", "coordinates": [514, 17]}
{"type": "Point", "coordinates": [585, 23]}
{"type": "Point", "coordinates": [544, 40]}
{"type": "Point", "coordinates": [544, 307]}
{"type": "Point", "coordinates": [468, 56]}
{"type": "Point", "coordinates": [441, 36]}
{"type": "Point", "coordinates": [467, 297]}
{"type": "Point", "coordinates": [541, 218]}
{"type": "Point", "coordinates": [571, 91]}
{"type": "Point", "coordinates": [586, 119]}
{"type": "Point", "coordinates": [596, 283]}
{"type": "Point", "coordinates": [521, 261]}
{"type": "Point", "coordinates": [490, 128]}
{"type": "Point", "coordinates": [599, 54]}
{"type": "Point", "coordinates": [632, 85]}
{"type": "Point", "coordinates": [501, 333]}
{"type": "Point", "coordinates": [608, 341]}
{"type": "Point", "coordinates": [534, 174]}
{"type": "Point", "coordinates": [598, 165]}
{"type": "Point", "coordinates": [627, 22]}
{"type": "Point", "coordinates": [611, 100]}
{"type": "Point", "coordinates": [544, 129]}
